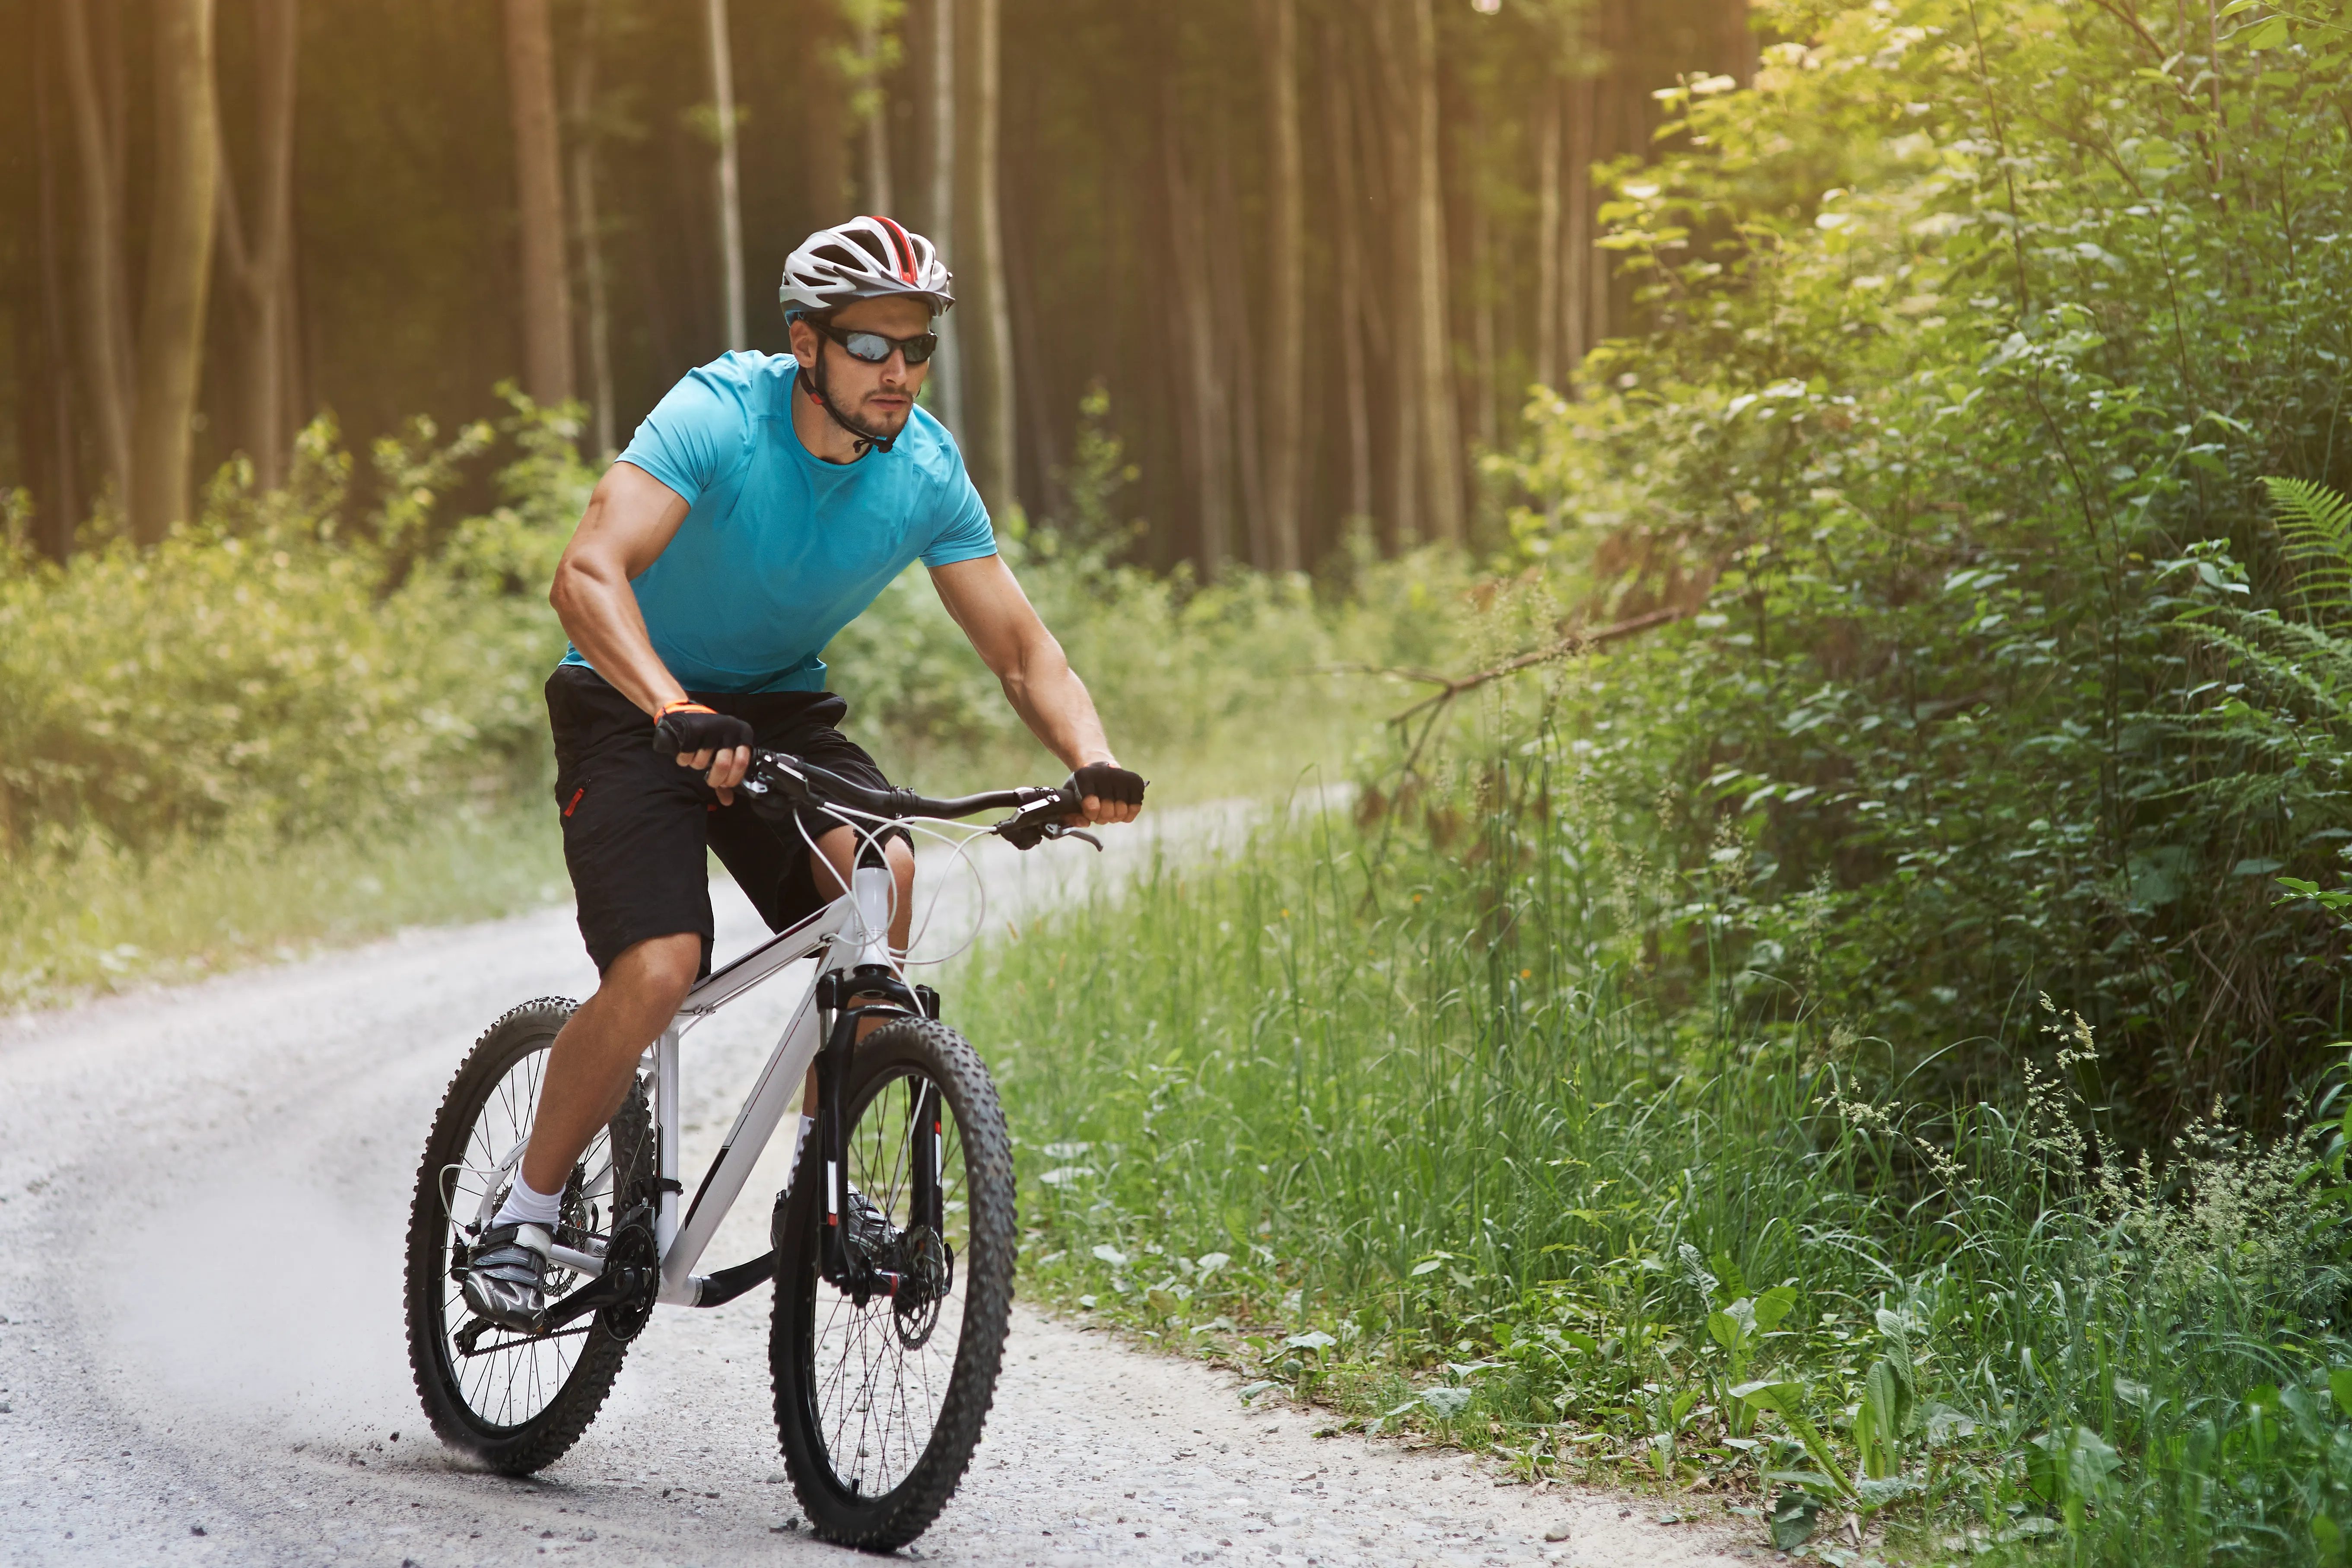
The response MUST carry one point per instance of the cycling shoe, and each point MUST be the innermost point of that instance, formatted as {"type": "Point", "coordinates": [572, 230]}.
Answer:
{"type": "Point", "coordinates": [506, 1277]}
{"type": "Point", "coordinates": [868, 1229]}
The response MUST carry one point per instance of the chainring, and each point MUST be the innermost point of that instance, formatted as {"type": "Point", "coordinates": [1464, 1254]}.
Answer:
{"type": "Point", "coordinates": [633, 1262]}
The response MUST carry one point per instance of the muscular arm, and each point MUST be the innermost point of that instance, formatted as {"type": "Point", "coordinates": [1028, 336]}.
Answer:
{"type": "Point", "coordinates": [993, 612]}
{"type": "Point", "coordinates": [630, 520]}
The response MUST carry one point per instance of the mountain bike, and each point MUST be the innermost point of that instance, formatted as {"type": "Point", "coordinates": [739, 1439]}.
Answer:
{"type": "Point", "coordinates": [892, 1244]}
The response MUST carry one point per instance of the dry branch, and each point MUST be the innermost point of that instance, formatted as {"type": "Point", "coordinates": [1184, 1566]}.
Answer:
{"type": "Point", "coordinates": [1575, 642]}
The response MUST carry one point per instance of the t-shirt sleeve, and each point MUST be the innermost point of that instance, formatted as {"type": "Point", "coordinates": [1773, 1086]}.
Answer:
{"type": "Point", "coordinates": [692, 436]}
{"type": "Point", "coordinates": [963, 532]}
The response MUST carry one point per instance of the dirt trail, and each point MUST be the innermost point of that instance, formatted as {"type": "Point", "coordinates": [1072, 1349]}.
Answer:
{"type": "Point", "coordinates": [179, 1385]}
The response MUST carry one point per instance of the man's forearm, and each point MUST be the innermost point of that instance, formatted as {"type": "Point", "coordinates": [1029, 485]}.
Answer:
{"type": "Point", "coordinates": [1059, 710]}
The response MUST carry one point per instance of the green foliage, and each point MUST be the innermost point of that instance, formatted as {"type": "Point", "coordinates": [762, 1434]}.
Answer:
{"type": "Point", "coordinates": [292, 680]}
{"type": "Point", "coordinates": [271, 671]}
{"type": "Point", "coordinates": [2314, 526]}
{"type": "Point", "coordinates": [1977, 329]}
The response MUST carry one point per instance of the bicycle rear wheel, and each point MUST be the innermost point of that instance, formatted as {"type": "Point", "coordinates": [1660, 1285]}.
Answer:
{"type": "Point", "coordinates": [515, 1402]}
{"type": "Point", "coordinates": [884, 1376]}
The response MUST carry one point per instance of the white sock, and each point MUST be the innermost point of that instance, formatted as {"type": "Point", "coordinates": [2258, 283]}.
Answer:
{"type": "Point", "coordinates": [526, 1205]}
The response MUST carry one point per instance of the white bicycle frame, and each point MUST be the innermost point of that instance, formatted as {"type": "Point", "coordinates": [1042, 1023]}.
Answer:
{"type": "Point", "coordinates": [853, 929]}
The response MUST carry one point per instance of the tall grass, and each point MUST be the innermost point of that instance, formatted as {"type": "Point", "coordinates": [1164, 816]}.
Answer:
{"type": "Point", "coordinates": [1389, 1113]}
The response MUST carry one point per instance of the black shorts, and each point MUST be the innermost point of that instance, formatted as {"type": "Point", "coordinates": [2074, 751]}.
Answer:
{"type": "Point", "coordinates": [636, 825]}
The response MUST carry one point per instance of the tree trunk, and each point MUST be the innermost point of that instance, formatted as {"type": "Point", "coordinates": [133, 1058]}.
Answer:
{"type": "Point", "coordinates": [105, 292]}
{"type": "Point", "coordinates": [179, 268]}
{"type": "Point", "coordinates": [1205, 424]}
{"type": "Point", "coordinates": [1398, 113]}
{"type": "Point", "coordinates": [1736, 42]}
{"type": "Point", "coordinates": [1440, 423]}
{"type": "Point", "coordinates": [60, 499]}
{"type": "Point", "coordinates": [1548, 285]}
{"type": "Point", "coordinates": [538, 204]}
{"type": "Point", "coordinates": [1584, 280]}
{"type": "Point", "coordinates": [1483, 289]}
{"type": "Point", "coordinates": [259, 266]}
{"type": "Point", "coordinates": [1286, 324]}
{"type": "Point", "coordinates": [588, 235]}
{"type": "Point", "coordinates": [988, 381]}
{"type": "Point", "coordinates": [1230, 289]}
{"type": "Point", "coordinates": [731, 202]}
{"type": "Point", "coordinates": [946, 380]}
{"type": "Point", "coordinates": [822, 92]}
{"type": "Point", "coordinates": [1347, 240]}
{"type": "Point", "coordinates": [875, 105]}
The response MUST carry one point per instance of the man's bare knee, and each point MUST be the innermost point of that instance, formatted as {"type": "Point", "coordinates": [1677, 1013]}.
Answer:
{"type": "Point", "coordinates": [657, 971]}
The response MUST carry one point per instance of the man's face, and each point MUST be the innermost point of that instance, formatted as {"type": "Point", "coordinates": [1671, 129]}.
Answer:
{"type": "Point", "coordinates": [876, 397]}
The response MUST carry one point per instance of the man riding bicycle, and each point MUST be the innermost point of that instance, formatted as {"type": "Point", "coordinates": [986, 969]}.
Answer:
{"type": "Point", "coordinates": [763, 506]}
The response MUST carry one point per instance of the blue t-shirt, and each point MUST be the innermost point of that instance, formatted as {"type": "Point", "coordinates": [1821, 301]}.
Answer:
{"type": "Point", "coordinates": [780, 548]}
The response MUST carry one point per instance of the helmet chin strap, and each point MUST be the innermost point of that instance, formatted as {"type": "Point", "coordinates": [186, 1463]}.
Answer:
{"type": "Point", "coordinates": [823, 397]}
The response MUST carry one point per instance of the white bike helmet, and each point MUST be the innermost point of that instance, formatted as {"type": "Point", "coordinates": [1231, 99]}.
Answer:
{"type": "Point", "coordinates": [864, 258]}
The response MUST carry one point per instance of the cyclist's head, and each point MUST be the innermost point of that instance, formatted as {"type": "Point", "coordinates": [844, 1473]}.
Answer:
{"type": "Point", "coordinates": [860, 297]}
{"type": "Point", "coordinates": [864, 258]}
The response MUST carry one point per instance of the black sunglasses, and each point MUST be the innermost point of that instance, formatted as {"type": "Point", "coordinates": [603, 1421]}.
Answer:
{"type": "Point", "coordinates": [875, 348]}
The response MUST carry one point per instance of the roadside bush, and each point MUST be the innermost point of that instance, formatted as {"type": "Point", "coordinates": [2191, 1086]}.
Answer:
{"type": "Point", "coordinates": [265, 671]}
{"type": "Point", "coordinates": [299, 681]}
{"type": "Point", "coordinates": [1976, 328]}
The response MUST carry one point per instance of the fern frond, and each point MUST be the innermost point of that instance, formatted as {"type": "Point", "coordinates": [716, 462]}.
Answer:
{"type": "Point", "coordinates": [2315, 525]}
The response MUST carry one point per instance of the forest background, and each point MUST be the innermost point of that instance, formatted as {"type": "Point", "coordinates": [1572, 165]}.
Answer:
{"type": "Point", "coordinates": [1848, 1023]}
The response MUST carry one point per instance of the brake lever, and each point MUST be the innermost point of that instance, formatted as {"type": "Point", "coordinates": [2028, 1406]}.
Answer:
{"type": "Point", "coordinates": [1058, 830]}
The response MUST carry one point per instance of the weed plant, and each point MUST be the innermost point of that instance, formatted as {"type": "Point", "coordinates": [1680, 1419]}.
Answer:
{"type": "Point", "coordinates": [1395, 1114]}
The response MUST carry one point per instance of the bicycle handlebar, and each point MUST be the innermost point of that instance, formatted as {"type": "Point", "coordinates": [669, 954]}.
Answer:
{"type": "Point", "coordinates": [1037, 811]}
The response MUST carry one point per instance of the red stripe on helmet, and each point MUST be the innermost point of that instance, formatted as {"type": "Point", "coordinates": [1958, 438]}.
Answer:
{"type": "Point", "coordinates": [906, 249]}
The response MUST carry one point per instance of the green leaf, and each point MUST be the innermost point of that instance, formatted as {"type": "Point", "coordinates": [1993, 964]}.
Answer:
{"type": "Point", "coordinates": [2339, 1388]}
{"type": "Point", "coordinates": [2315, 523]}
{"type": "Point", "coordinates": [2270, 35]}
{"type": "Point", "coordinates": [1794, 1517]}
{"type": "Point", "coordinates": [1773, 1306]}
{"type": "Point", "coordinates": [1787, 1400]}
{"type": "Point", "coordinates": [1446, 1403]}
{"type": "Point", "coordinates": [1887, 1388]}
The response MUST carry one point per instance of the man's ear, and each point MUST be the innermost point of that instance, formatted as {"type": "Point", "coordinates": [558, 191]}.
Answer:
{"type": "Point", "coordinates": [805, 343]}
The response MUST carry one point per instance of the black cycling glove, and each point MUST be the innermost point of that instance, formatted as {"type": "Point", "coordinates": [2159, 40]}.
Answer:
{"type": "Point", "coordinates": [685, 728]}
{"type": "Point", "coordinates": [1110, 785]}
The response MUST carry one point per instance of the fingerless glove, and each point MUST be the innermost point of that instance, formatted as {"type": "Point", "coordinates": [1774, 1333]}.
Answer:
{"type": "Point", "coordinates": [1111, 785]}
{"type": "Point", "coordinates": [684, 728]}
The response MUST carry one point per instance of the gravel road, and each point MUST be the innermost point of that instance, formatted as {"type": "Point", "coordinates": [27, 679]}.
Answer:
{"type": "Point", "coordinates": [202, 1196]}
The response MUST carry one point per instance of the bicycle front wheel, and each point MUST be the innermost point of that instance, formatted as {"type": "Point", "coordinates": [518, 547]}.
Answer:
{"type": "Point", "coordinates": [886, 1362]}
